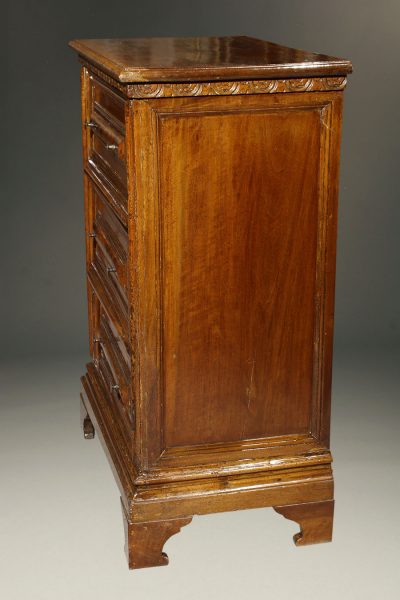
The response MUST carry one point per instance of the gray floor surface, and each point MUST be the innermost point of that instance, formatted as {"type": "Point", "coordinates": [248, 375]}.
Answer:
{"type": "Point", "coordinates": [61, 535]}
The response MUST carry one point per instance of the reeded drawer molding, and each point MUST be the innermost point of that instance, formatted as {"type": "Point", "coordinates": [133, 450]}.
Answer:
{"type": "Point", "coordinates": [107, 261]}
{"type": "Point", "coordinates": [106, 151]}
{"type": "Point", "coordinates": [112, 390]}
{"type": "Point", "coordinates": [112, 359]}
{"type": "Point", "coordinates": [116, 198]}
{"type": "Point", "coordinates": [117, 358]}
{"type": "Point", "coordinates": [103, 135]}
{"type": "Point", "coordinates": [111, 237]}
{"type": "Point", "coordinates": [106, 104]}
{"type": "Point", "coordinates": [111, 301]}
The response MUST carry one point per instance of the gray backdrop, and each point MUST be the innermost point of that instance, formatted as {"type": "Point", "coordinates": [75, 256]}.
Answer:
{"type": "Point", "coordinates": [43, 287]}
{"type": "Point", "coordinates": [57, 492]}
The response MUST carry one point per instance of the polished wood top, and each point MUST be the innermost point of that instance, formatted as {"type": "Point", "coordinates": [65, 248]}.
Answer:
{"type": "Point", "coordinates": [204, 59]}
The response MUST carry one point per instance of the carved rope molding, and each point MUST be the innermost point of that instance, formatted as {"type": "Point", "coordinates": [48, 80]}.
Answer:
{"type": "Point", "coordinates": [222, 88]}
{"type": "Point", "coordinates": [235, 88]}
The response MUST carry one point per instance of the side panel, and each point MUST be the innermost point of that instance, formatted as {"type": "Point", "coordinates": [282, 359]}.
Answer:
{"type": "Point", "coordinates": [234, 216]}
{"type": "Point", "coordinates": [239, 195]}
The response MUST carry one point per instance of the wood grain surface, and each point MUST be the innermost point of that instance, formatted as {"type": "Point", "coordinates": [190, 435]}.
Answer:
{"type": "Point", "coordinates": [204, 58]}
{"type": "Point", "coordinates": [239, 278]}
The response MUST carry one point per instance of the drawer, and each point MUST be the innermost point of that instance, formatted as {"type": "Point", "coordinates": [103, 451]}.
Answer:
{"type": "Point", "coordinates": [106, 153]}
{"type": "Point", "coordinates": [109, 292]}
{"type": "Point", "coordinates": [106, 104]}
{"type": "Point", "coordinates": [110, 274]}
{"type": "Point", "coordinates": [106, 134]}
{"type": "Point", "coordinates": [114, 352]}
{"type": "Point", "coordinates": [123, 413]}
{"type": "Point", "coordinates": [98, 314]}
{"type": "Point", "coordinates": [93, 318]}
{"type": "Point", "coordinates": [112, 194]}
{"type": "Point", "coordinates": [111, 237]}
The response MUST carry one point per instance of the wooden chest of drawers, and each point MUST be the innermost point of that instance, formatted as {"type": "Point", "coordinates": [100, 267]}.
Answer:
{"type": "Point", "coordinates": [211, 179]}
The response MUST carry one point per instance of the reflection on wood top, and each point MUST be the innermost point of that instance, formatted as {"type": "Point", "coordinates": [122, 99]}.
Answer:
{"type": "Point", "coordinates": [204, 59]}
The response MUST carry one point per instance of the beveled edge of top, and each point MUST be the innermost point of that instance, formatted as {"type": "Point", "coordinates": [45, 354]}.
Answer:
{"type": "Point", "coordinates": [263, 60]}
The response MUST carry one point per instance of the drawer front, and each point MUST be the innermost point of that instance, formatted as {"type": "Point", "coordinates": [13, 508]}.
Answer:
{"type": "Point", "coordinates": [106, 140]}
{"type": "Point", "coordinates": [110, 354]}
{"type": "Point", "coordinates": [104, 333]}
{"type": "Point", "coordinates": [106, 104]}
{"type": "Point", "coordinates": [109, 274]}
{"type": "Point", "coordinates": [109, 293]}
{"type": "Point", "coordinates": [104, 143]}
{"type": "Point", "coordinates": [122, 411]}
{"type": "Point", "coordinates": [111, 239]}
{"type": "Point", "coordinates": [106, 153]}
{"type": "Point", "coordinates": [114, 351]}
{"type": "Point", "coordinates": [113, 195]}
{"type": "Point", "coordinates": [107, 258]}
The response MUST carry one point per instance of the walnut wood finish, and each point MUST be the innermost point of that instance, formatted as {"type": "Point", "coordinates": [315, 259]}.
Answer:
{"type": "Point", "coordinates": [315, 520]}
{"type": "Point", "coordinates": [211, 211]}
{"type": "Point", "coordinates": [221, 289]}
{"type": "Point", "coordinates": [204, 59]}
{"type": "Point", "coordinates": [144, 542]}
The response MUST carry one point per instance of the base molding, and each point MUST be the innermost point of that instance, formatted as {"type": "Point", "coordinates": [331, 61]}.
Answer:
{"type": "Point", "coordinates": [154, 511]}
{"type": "Point", "coordinates": [257, 490]}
